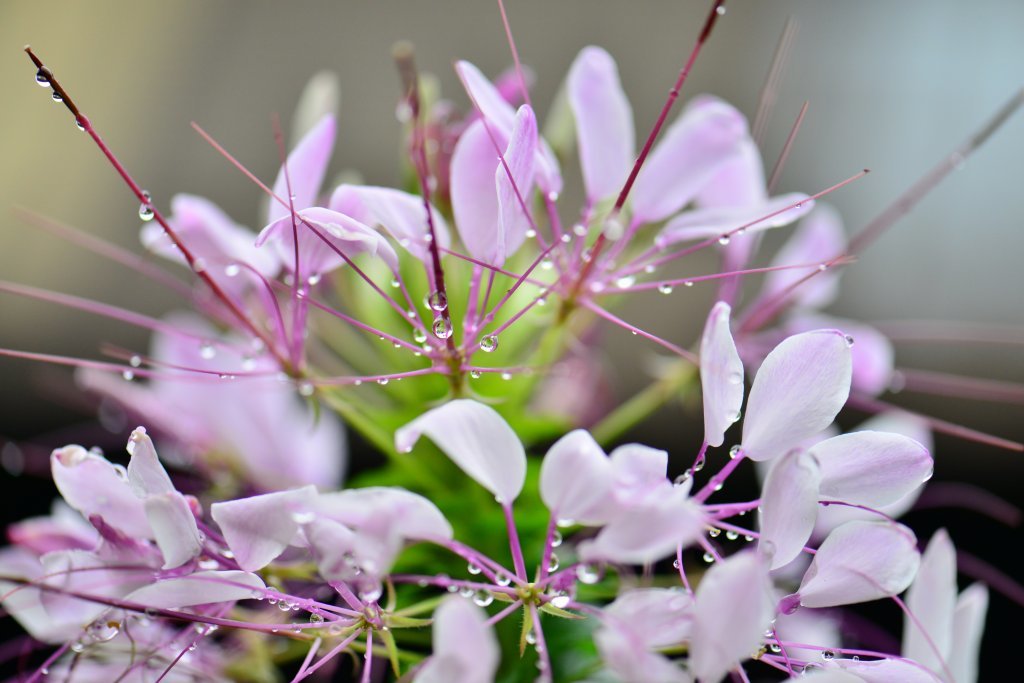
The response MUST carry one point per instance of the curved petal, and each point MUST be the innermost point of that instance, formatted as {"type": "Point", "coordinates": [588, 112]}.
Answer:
{"type": "Point", "coordinates": [657, 617]}
{"type": "Point", "coordinates": [307, 165]}
{"type": "Point", "coordinates": [474, 202]}
{"type": "Point", "coordinates": [858, 562]}
{"type": "Point", "coordinates": [146, 475]}
{"type": "Point", "coordinates": [639, 471]}
{"type": "Point", "coordinates": [604, 122]}
{"type": "Point", "coordinates": [817, 238]}
{"type": "Point", "coordinates": [478, 440]}
{"type": "Point", "coordinates": [624, 656]}
{"type": "Point", "coordinates": [93, 486]}
{"type": "Point", "coordinates": [576, 479]}
{"type": "Point", "coordinates": [259, 528]}
{"type": "Point", "coordinates": [721, 375]}
{"type": "Point", "coordinates": [316, 256]}
{"type": "Point", "coordinates": [401, 214]}
{"type": "Point", "coordinates": [401, 512]}
{"type": "Point", "coordinates": [968, 626]}
{"type": "Point", "coordinates": [885, 671]}
{"type": "Point", "coordinates": [873, 353]}
{"type": "Point", "coordinates": [465, 647]}
{"type": "Point", "coordinates": [174, 528]}
{"type": "Point", "coordinates": [799, 389]}
{"type": "Point", "coordinates": [201, 588]}
{"type": "Point", "coordinates": [871, 468]}
{"type": "Point", "coordinates": [739, 181]}
{"type": "Point", "coordinates": [932, 600]}
{"type": "Point", "coordinates": [733, 607]}
{"type": "Point", "coordinates": [691, 152]}
{"type": "Point", "coordinates": [646, 532]}
{"type": "Point", "coordinates": [513, 222]}
{"type": "Point", "coordinates": [702, 224]}
{"type": "Point", "coordinates": [789, 506]}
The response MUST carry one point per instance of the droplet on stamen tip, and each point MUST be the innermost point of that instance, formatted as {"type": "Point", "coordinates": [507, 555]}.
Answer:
{"type": "Point", "coordinates": [489, 344]}
{"type": "Point", "coordinates": [395, 283]}
{"type": "Point", "coordinates": [442, 328]}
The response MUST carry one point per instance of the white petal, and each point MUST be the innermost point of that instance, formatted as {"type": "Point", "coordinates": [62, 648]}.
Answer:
{"type": "Point", "coordinates": [968, 626]}
{"type": "Point", "coordinates": [871, 468]}
{"type": "Point", "coordinates": [200, 588]}
{"type": "Point", "coordinates": [932, 600]}
{"type": "Point", "coordinates": [721, 375]}
{"type": "Point", "coordinates": [259, 528]}
{"type": "Point", "coordinates": [465, 648]}
{"type": "Point", "coordinates": [174, 528]}
{"type": "Point", "coordinates": [145, 473]}
{"type": "Point", "coordinates": [478, 440]}
{"type": "Point", "coordinates": [576, 479]}
{"type": "Point", "coordinates": [789, 506]}
{"type": "Point", "coordinates": [799, 389]}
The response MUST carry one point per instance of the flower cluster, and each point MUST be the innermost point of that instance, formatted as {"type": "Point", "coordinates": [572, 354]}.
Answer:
{"type": "Point", "coordinates": [574, 564]}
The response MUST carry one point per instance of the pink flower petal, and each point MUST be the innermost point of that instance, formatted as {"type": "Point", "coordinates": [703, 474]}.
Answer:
{"type": "Point", "coordinates": [24, 603]}
{"type": "Point", "coordinates": [873, 353]}
{"type": "Point", "coordinates": [648, 531]}
{"type": "Point", "coordinates": [401, 214]}
{"type": "Point", "coordinates": [657, 617]}
{"type": "Point", "coordinates": [739, 182]}
{"type": "Point", "coordinates": [513, 223]}
{"type": "Point", "coordinates": [689, 155]}
{"type": "Point", "coordinates": [465, 647]}
{"type": "Point", "coordinates": [721, 375]}
{"type": "Point", "coordinates": [968, 627]}
{"type": "Point", "coordinates": [871, 468]}
{"type": "Point", "coordinates": [93, 486]}
{"type": "Point", "coordinates": [789, 506]}
{"type": "Point", "coordinates": [817, 238]}
{"type": "Point", "coordinates": [501, 116]}
{"type": "Point", "coordinates": [316, 257]}
{"type": "Point", "coordinates": [478, 440]}
{"type": "Point", "coordinates": [201, 588]}
{"type": "Point", "coordinates": [799, 389]}
{"type": "Point", "coordinates": [334, 546]}
{"type": "Point", "coordinates": [146, 475]}
{"type": "Point", "coordinates": [307, 166]}
{"type": "Point", "coordinates": [474, 201]}
{"type": "Point", "coordinates": [702, 224]}
{"type": "Point", "coordinates": [932, 599]}
{"type": "Point", "coordinates": [858, 562]}
{"type": "Point", "coordinates": [174, 528]}
{"type": "Point", "coordinates": [624, 657]}
{"type": "Point", "coordinates": [734, 605]}
{"type": "Point", "coordinates": [604, 123]}
{"type": "Point", "coordinates": [639, 471]}
{"type": "Point", "coordinates": [826, 676]}
{"type": "Point", "coordinates": [259, 528]}
{"type": "Point", "coordinates": [576, 480]}
{"type": "Point", "coordinates": [387, 511]}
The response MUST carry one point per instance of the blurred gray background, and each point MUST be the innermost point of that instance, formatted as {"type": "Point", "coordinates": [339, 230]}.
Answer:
{"type": "Point", "coordinates": [892, 87]}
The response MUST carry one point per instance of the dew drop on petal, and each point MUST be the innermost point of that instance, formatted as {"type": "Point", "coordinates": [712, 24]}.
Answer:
{"type": "Point", "coordinates": [207, 350]}
{"type": "Point", "coordinates": [828, 655]}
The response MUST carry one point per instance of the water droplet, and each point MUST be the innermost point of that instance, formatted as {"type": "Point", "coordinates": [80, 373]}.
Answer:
{"type": "Point", "coordinates": [371, 593]}
{"type": "Point", "coordinates": [723, 240]}
{"type": "Point", "coordinates": [306, 388]}
{"type": "Point", "coordinates": [473, 568]}
{"type": "Point", "coordinates": [579, 230]}
{"type": "Point", "coordinates": [720, 10]}
{"type": "Point", "coordinates": [403, 112]}
{"type": "Point", "coordinates": [284, 606]}
{"type": "Point", "coordinates": [101, 631]}
{"type": "Point", "coordinates": [709, 558]}
{"type": "Point", "coordinates": [735, 377]}
{"type": "Point", "coordinates": [43, 78]}
{"type": "Point", "coordinates": [80, 124]}
{"type": "Point", "coordinates": [698, 464]}
{"type": "Point", "coordinates": [714, 532]}
{"type": "Point", "coordinates": [748, 538]}
{"type": "Point", "coordinates": [649, 268]}
{"type": "Point", "coordinates": [313, 279]}
{"type": "Point", "coordinates": [849, 340]}
{"type": "Point", "coordinates": [737, 415]}
{"type": "Point", "coordinates": [588, 574]}
{"type": "Point", "coordinates": [546, 264]}
{"type": "Point", "coordinates": [683, 478]}
{"type": "Point", "coordinates": [437, 301]}
{"type": "Point", "coordinates": [207, 350]}
{"type": "Point", "coordinates": [489, 343]}
{"type": "Point", "coordinates": [566, 522]}
{"type": "Point", "coordinates": [135, 361]}
{"type": "Point", "coordinates": [198, 265]}
{"type": "Point", "coordinates": [482, 598]}
{"type": "Point", "coordinates": [128, 375]}
{"type": "Point", "coordinates": [146, 208]}
{"type": "Point", "coordinates": [675, 563]}
{"type": "Point", "coordinates": [553, 563]}
{"type": "Point", "coordinates": [57, 97]}
{"type": "Point", "coordinates": [731, 535]}
{"type": "Point", "coordinates": [466, 592]}
{"type": "Point", "coordinates": [442, 328]}
{"type": "Point", "coordinates": [502, 579]}
{"type": "Point", "coordinates": [687, 284]}
{"type": "Point", "coordinates": [315, 618]}
{"type": "Point", "coordinates": [734, 452]}
{"type": "Point", "coordinates": [625, 282]}
{"type": "Point", "coordinates": [556, 539]}
{"type": "Point", "coordinates": [383, 381]}
{"type": "Point", "coordinates": [77, 646]}
{"type": "Point", "coordinates": [823, 267]}
{"type": "Point", "coordinates": [775, 648]}
{"type": "Point", "coordinates": [828, 655]}
{"type": "Point", "coordinates": [665, 288]}
{"type": "Point", "coordinates": [506, 376]}
{"type": "Point", "coordinates": [531, 638]}
{"type": "Point", "coordinates": [561, 600]}
{"type": "Point", "coordinates": [613, 228]}
{"type": "Point", "coordinates": [552, 196]}
{"type": "Point", "coordinates": [475, 374]}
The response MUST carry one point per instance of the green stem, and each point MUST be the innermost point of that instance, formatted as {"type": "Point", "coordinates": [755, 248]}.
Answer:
{"type": "Point", "coordinates": [642, 404]}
